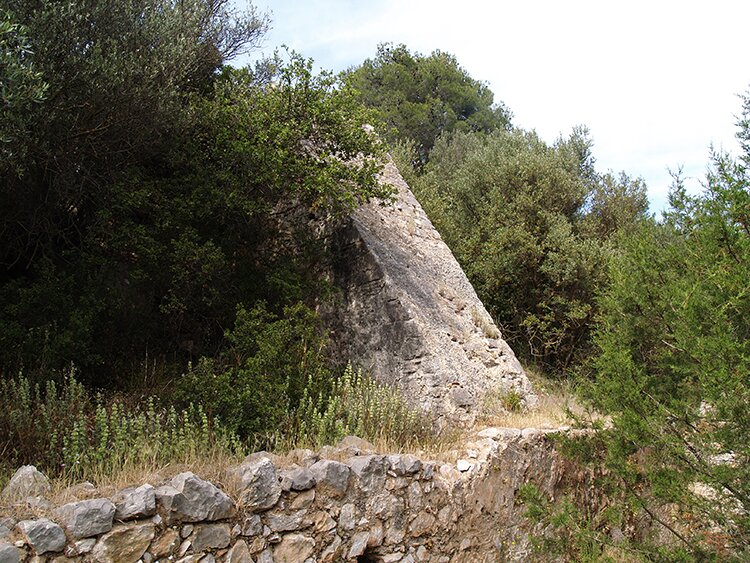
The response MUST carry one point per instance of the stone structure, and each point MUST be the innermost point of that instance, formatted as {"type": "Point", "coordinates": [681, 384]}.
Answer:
{"type": "Point", "coordinates": [354, 505]}
{"type": "Point", "coordinates": [409, 314]}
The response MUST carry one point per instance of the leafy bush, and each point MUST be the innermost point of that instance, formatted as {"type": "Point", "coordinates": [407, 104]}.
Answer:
{"type": "Point", "coordinates": [673, 361]}
{"type": "Point", "coordinates": [532, 226]}
{"type": "Point", "coordinates": [65, 430]}
{"type": "Point", "coordinates": [260, 379]}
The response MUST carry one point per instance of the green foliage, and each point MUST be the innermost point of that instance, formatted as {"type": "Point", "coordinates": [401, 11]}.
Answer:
{"type": "Point", "coordinates": [674, 357]}
{"type": "Point", "coordinates": [356, 405]}
{"type": "Point", "coordinates": [66, 430]}
{"type": "Point", "coordinates": [158, 183]}
{"type": "Point", "coordinates": [271, 363]}
{"type": "Point", "coordinates": [22, 88]}
{"type": "Point", "coordinates": [531, 225]}
{"type": "Point", "coordinates": [418, 97]}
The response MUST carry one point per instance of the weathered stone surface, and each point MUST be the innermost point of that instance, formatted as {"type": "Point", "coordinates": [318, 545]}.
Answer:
{"type": "Point", "coordinates": [422, 524]}
{"type": "Point", "coordinates": [331, 475]}
{"type": "Point", "coordinates": [26, 482]}
{"type": "Point", "coordinates": [347, 517]}
{"type": "Point", "coordinates": [294, 548]}
{"type": "Point", "coordinates": [9, 553]}
{"type": "Point", "coordinates": [211, 536]}
{"type": "Point", "coordinates": [299, 479]}
{"type": "Point", "coordinates": [359, 544]}
{"type": "Point", "coordinates": [371, 471]}
{"type": "Point", "coordinates": [282, 522]}
{"type": "Point", "coordinates": [333, 551]}
{"type": "Point", "coordinates": [81, 547]}
{"type": "Point", "coordinates": [266, 557]}
{"type": "Point", "coordinates": [409, 314]}
{"type": "Point", "coordinates": [6, 525]}
{"type": "Point", "coordinates": [258, 483]}
{"type": "Point", "coordinates": [86, 518]}
{"type": "Point", "coordinates": [239, 553]}
{"type": "Point", "coordinates": [404, 464]}
{"type": "Point", "coordinates": [123, 544]}
{"type": "Point", "coordinates": [135, 503]}
{"type": "Point", "coordinates": [191, 499]}
{"type": "Point", "coordinates": [166, 544]}
{"type": "Point", "coordinates": [43, 535]}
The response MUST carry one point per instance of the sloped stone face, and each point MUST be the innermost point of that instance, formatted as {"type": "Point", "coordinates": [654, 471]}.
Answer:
{"type": "Point", "coordinates": [43, 535]}
{"type": "Point", "coordinates": [409, 314]}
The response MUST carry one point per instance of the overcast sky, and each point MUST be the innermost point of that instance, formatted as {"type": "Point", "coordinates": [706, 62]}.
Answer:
{"type": "Point", "coordinates": [656, 81]}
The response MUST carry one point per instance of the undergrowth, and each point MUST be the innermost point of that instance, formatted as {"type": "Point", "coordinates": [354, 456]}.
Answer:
{"type": "Point", "coordinates": [66, 430]}
{"type": "Point", "coordinates": [358, 405]}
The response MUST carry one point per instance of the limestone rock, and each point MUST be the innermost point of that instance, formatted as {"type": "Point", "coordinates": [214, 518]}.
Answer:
{"type": "Point", "coordinates": [166, 544]}
{"type": "Point", "coordinates": [10, 553]}
{"type": "Point", "coordinates": [359, 544]}
{"type": "Point", "coordinates": [258, 483]}
{"type": "Point", "coordinates": [135, 503]}
{"type": "Point", "coordinates": [43, 535]}
{"type": "Point", "coordinates": [371, 471]}
{"type": "Point", "coordinates": [298, 479]}
{"type": "Point", "coordinates": [332, 476]}
{"type": "Point", "coordinates": [123, 544]}
{"type": "Point", "coordinates": [191, 499]}
{"type": "Point", "coordinates": [211, 536]}
{"type": "Point", "coordinates": [410, 315]}
{"type": "Point", "coordinates": [26, 482]}
{"type": "Point", "coordinates": [86, 518]}
{"type": "Point", "coordinates": [347, 517]}
{"type": "Point", "coordinates": [404, 464]}
{"type": "Point", "coordinates": [294, 548]}
{"type": "Point", "coordinates": [239, 553]}
{"type": "Point", "coordinates": [281, 522]}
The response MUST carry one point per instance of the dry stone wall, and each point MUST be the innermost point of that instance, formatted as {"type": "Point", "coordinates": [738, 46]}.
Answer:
{"type": "Point", "coordinates": [341, 504]}
{"type": "Point", "coordinates": [409, 314]}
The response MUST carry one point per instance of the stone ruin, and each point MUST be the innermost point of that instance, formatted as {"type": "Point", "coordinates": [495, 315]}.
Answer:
{"type": "Point", "coordinates": [408, 313]}
{"type": "Point", "coordinates": [343, 503]}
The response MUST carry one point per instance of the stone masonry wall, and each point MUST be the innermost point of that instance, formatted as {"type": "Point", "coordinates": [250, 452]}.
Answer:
{"type": "Point", "coordinates": [341, 504]}
{"type": "Point", "coordinates": [409, 314]}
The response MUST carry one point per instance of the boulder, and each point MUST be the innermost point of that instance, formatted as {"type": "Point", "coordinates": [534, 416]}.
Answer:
{"type": "Point", "coordinates": [26, 482]}
{"type": "Point", "coordinates": [298, 479]}
{"type": "Point", "coordinates": [258, 483]}
{"type": "Point", "coordinates": [239, 553]}
{"type": "Point", "coordinates": [371, 471]}
{"type": "Point", "coordinates": [86, 518]}
{"type": "Point", "coordinates": [189, 498]}
{"type": "Point", "coordinates": [332, 476]}
{"type": "Point", "coordinates": [43, 535]}
{"type": "Point", "coordinates": [132, 503]}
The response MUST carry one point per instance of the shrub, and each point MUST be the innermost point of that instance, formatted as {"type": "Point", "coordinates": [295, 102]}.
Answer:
{"type": "Point", "coordinates": [357, 405]}
{"type": "Point", "coordinates": [65, 430]}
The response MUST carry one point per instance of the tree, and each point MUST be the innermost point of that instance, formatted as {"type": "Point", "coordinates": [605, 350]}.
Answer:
{"type": "Point", "coordinates": [418, 97]}
{"type": "Point", "coordinates": [673, 361]}
{"type": "Point", "coordinates": [531, 225]}
{"type": "Point", "coordinates": [147, 207]}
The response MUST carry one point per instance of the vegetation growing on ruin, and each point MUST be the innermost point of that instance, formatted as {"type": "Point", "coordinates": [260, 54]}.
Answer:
{"type": "Point", "coordinates": [154, 223]}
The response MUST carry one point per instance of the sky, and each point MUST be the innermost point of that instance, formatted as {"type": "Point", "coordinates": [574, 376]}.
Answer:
{"type": "Point", "coordinates": [656, 82]}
